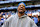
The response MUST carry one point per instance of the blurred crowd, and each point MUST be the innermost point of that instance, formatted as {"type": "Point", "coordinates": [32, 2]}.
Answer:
{"type": "Point", "coordinates": [5, 15]}
{"type": "Point", "coordinates": [36, 19]}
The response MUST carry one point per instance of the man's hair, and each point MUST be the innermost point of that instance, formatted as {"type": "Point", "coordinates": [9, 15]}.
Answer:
{"type": "Point", "coordinates": [23, 3]}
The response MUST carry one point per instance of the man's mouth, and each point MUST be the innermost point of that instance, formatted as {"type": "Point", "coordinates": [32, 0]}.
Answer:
{"type": "Point", "coordinates": [21, 8]}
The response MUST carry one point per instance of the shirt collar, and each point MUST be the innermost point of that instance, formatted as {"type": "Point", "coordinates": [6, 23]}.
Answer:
{"type": "Point", "coordinates": [21, 16]}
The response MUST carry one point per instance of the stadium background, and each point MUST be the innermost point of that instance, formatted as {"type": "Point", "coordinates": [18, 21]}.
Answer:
{"type": "Point", "coordinates": [9, 7]}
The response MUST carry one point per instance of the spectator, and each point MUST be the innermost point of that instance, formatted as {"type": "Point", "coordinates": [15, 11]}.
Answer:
{"type": "Point", "coordinates": [1, 21]}
{"type": "Point", "coordinates": [5, 15]}
{"type": "Point", "coordinates": [1, 13]}
{"type": "Point", "coordinates": [35, 19]}
{"type": "Point", "coordinates": [37, 15]}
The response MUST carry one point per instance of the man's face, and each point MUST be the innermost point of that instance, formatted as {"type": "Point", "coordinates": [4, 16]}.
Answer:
{"type": "Point", "coordinates": [21, 8]}
{"type": "Point", "coordinates": [36, 15]}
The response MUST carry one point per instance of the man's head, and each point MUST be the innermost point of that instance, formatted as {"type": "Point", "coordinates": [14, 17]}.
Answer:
{"type": "Point", "coordinates": [21, 7]}
{"type": "Point", "coordinates": [33, 15]}
{"type": "Point", "coordinates": [37, 15]}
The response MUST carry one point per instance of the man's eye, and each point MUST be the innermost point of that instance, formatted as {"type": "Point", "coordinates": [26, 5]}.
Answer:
{"type": "Point", "coordinates": [23, 6]}
{"type": "Point", "coordinates": [20, 5]}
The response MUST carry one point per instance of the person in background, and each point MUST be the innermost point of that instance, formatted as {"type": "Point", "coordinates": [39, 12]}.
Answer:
{"type": "Point", "coordinates": [19, 19]}
{"type": "Point", "coordinates": [1, 13]}
{"type": "Point", "coordinates": [38, 18]}
{"type": "Point", "coordinates": [1, 20]}
{"type": "Point", "coordinates": [9, 14]}
{"type": "Point", "coordinates": [36, 15]}
{"type": "Point", "coordinates": [35, 19]}
{"type": "Point", "coordinates": [5, 15]}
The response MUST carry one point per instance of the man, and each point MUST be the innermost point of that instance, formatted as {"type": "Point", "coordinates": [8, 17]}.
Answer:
{"type": "Point", "coordinates": [20, 19]}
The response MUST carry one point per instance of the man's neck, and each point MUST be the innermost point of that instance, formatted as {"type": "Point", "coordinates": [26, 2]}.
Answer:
{"type": "Point", "coordinates": [19, 14]}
